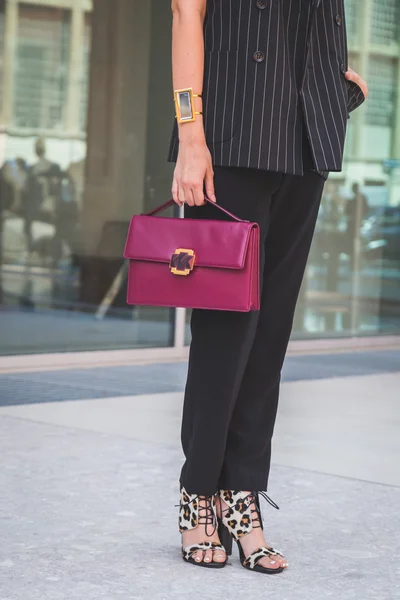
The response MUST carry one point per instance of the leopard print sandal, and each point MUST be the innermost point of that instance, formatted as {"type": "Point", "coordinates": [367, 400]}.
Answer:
{"type": "Point", "coordinates": [238, 520]}
{"type": "Point", "coordinates": [191, 514]}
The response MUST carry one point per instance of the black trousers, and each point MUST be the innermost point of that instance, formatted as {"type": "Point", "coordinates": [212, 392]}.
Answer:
{"type": "Point", "coordinates": [235, 362]}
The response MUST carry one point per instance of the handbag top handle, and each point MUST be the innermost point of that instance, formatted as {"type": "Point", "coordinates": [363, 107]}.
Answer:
{"type": "Point", "coordinates": [170, 203]}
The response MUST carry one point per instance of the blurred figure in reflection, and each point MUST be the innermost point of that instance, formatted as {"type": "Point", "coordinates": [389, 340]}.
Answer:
{"type": "Point", "coordinates": [51, 199]}
{"type": "Point", "coordinates": [351, 207]}
{"type": "Point", "coordinates": [43, 189]}
{"type": "Point", "coordinates": [356, 212]}
{"type": "Point", "coordinates": [67, 218]}
{"type": "Point", "coordinates": [332, 233]}
{"type": "Point", "coordinates": [13, 175]}
{"type": "Point", "coordinates": [76, 172]}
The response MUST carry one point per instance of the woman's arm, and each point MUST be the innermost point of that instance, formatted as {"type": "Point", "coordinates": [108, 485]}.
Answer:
{"type": "Point", "coordinates": [193, 166]}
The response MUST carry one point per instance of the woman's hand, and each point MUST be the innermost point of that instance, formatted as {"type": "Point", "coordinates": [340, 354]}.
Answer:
{"type": "Point", "coordinates": [353, 76]}
{"type": "Point", "coordinates": [193, 173]}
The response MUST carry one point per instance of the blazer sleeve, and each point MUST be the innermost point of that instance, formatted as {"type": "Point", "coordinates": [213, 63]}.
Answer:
{"type": "Point", "coordinates": [356, 96]}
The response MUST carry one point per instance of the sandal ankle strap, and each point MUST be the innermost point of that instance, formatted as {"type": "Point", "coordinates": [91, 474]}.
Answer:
{"type": "Point", "coordinates": [240, 518]}
{"type": "Point", "coordinates": [192, 513]}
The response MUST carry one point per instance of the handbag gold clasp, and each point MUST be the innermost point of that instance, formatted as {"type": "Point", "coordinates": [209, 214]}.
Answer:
{"type": "Point", "coordinates": [182, 261]}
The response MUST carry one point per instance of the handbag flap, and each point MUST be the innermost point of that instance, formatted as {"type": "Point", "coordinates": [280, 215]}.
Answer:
{"type": "Point", "coordinates": [218, 244]}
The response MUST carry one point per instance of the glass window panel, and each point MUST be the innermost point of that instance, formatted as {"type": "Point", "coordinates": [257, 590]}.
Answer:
{"type": "Point", "coordinates": [85, 77]}
{"type": "Point", "coordinates": [352, 281]}
{"type": "Point", "coordinates": [42, 59]}
{"type": "Point", "coordinates": [67, 195]}
{"type": "Point", "coordinates": [382, 82]}
{"type": "Point", "coordinates": [352, 21]}
{"type": "Point", "coordinates": [66, 198]}
{"type": "Point", "coordinates": [1, 52]}
{"type": "Point", "coordinates": [385, 22]}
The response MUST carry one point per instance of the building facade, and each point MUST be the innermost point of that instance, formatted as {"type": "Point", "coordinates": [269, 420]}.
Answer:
{"type": "Point", "coordinates": [85, 120]}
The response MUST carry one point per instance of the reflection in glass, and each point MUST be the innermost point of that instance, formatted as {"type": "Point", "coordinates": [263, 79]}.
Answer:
{"type": "Point", "coordinates": [66, 198]}
{"type": "Point", "coordinates": [352, 282]}
{"type": "Point", "coordinates": [185, 106]}
{"type": "Point", "coordinates": [83, 146]}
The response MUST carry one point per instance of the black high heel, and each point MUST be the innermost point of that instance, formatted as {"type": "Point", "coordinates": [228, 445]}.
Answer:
{"type": "Point", "coordinates": [237, 521]}
{"type": "Point", "coordinates": [225, 537]}
{"type": "Point", "coordinates": [190, 518]}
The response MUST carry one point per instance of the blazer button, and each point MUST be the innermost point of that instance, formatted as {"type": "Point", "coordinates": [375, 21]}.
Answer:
{"type": "Point", "coordinates": [338, 20]}
{"type": "Point", "coordinates": [259, 56]}
{"type": "Point", "coordinates": [261, 4]}
{"type": "Point", "coordinates": [343, 68]}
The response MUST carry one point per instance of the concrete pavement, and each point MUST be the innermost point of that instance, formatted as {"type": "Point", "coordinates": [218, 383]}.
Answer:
{"type": "Point", "coordinates": [88, 487]}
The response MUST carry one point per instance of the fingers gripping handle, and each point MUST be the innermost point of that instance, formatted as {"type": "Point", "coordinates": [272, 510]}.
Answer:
{"type": "Point", "coordinates": [170, 203]}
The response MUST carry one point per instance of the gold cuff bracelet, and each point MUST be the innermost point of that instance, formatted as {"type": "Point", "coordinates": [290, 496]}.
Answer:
{"type": "Point", "coordinates": [184, 105]}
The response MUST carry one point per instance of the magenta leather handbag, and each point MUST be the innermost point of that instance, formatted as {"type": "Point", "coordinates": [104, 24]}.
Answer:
{"type": "Point", "coordinates": [193, 263]}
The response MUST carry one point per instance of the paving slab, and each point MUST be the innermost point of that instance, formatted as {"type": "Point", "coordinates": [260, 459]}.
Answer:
{"type": "Point", "coordinates": [88, 484]}
{"type": "Point", "coordinates": [130, 380]}
{"type": "Point", "coordinates": [86, 515]}
{"type": "Point", "coordinates": [343, 426]}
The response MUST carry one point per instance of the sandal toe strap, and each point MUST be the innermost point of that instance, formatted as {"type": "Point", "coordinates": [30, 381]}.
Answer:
{"type": "Point", "coordinates": [203, 547]}
{"type": "Point", "coordinates": [255, 557]}
{"type": "Point", "coordinates": [274, 551]}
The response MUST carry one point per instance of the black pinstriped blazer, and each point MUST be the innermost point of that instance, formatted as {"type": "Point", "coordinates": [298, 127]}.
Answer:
{"type": "Point", "coordinates": [271, 68]}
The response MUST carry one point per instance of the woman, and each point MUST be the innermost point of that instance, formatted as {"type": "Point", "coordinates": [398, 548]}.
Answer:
{"type": "Point", "coordinates": [272, 95]}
